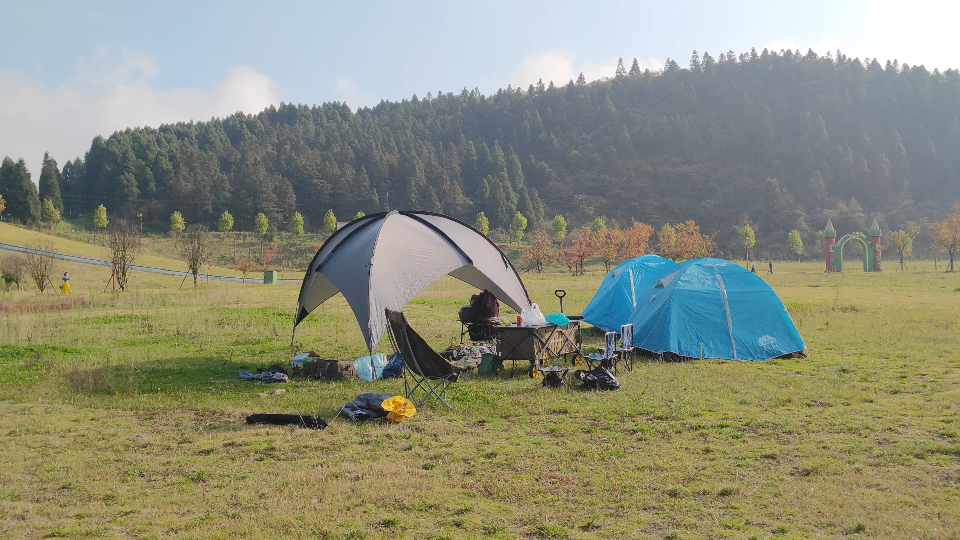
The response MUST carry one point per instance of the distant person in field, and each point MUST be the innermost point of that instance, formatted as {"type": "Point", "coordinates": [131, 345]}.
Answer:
{"type": "Point", "coordinates": [770, 262]}
{"type": "Point", "coordinates": [65, 286]}
{"type": "Point", "coordinates": [753, 267]}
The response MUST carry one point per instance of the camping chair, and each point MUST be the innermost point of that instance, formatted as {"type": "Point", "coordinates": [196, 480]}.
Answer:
{"type": "Point", "coordinates": [475, 319]}
{"type": "Point", "coordinates": [608, 356]}
{"type": "Point", "coordinates": [426, 374]}
{"type": "Point", "coordinates": [626, 349]}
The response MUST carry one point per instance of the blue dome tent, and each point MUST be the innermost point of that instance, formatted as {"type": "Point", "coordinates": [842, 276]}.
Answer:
{"type": "Point", "coordinates": [716, 309]}
{"type": "Point", "coordinates": [617, 297]}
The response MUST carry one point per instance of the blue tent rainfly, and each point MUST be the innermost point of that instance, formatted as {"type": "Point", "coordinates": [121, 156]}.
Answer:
{"type": "Point", "coordinates": [715, 309]}
{"type": "Point", "coordinates": [616, 299]}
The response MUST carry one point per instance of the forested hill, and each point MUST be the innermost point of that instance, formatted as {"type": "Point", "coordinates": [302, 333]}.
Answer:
{"type": "Point", "coordinates": [784, 138]}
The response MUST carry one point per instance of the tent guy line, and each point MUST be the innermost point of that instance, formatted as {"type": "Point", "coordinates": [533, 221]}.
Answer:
{"type": "Point", "coordinates": [98, 262]}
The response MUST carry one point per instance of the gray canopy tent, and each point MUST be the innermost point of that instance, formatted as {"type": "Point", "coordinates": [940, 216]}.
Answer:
{"type": "Point", "coordinates": [382, 261]}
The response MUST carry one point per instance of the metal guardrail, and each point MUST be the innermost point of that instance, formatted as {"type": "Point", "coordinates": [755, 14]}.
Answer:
{"type": "Point", "coordinates": [98, 262]}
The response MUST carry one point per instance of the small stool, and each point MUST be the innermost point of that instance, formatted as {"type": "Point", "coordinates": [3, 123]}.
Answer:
{"type": "Point", "coordinates": [554, 376]}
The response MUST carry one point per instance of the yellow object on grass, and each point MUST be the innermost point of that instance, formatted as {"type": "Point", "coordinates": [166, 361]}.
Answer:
{"type": "Point", "coordinates": [65, 288]}
{"type": "Point", "coordinates": [399, 407]}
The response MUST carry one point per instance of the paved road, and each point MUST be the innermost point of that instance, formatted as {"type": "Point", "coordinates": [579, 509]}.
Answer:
{"type": "Point", "coordinates": [98, 262]}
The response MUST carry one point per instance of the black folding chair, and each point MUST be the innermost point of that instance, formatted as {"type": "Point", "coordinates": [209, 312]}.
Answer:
{"type": "Point", "coordinates": [608, 356]}
{"type": "Point", "coordinates": [426, 374]}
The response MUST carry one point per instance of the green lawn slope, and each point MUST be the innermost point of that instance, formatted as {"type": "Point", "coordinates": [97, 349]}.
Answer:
{"type": "Point", "coordinates": [19, 236]}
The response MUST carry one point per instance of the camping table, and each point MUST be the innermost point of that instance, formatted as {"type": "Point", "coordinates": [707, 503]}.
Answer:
{"type": "Point", "coordinates": [537, 344]}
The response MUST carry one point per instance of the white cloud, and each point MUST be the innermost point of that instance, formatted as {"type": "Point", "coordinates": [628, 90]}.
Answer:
{"type": "Point", "coordinates": [560, 67]}
{"type": "Point", "coordinates": [348, 91]}
{"type": "Point", "coordinates": [912, 32]}
{"type": "Point", "coordinates": [112, 91]}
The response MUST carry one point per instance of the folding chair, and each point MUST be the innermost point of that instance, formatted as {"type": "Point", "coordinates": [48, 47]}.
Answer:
{"type": "Point", "coordinates": [626, 349]}
{"type": "Point", "coordinates": [608, 356]}
{"type": "Point", "coordinates": [426, 374]}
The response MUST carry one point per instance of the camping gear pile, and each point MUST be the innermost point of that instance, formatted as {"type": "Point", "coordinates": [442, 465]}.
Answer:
{"type": "Point", "coordinates": [379, 405]}
{"type": "Point", "coordinates": [272, 374]}
{"type": "Point", "coordinates": [312, 366]}
{"type": "Point", "coordinates": [468, 355]}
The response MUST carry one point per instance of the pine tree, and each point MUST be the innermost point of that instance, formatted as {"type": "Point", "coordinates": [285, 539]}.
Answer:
{"type": "Point", "coordinates": [177, 224]}
{"type": "Point", "coordinates": [19, 191]}
{"type": "Point", "coordinates": [621, 71]}
{"type": "Point", "coordinates": [581, 80]}
{"type": "Point", "coordinates": [49, 183]}
{"type": "Point", "coordinates": [634, 68]}
{"type": "Point", "coordinates": [225, 223]}
{"type": "Point", "coordinates": [296, 224]}
{"type": "Point", "coordinates": [695, 62]}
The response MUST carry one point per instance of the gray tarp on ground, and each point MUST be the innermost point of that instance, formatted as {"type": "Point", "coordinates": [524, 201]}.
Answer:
{"type": "Point", "coordinates": [382, 261]}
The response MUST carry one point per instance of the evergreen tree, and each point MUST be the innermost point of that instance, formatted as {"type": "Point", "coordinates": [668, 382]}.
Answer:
{"type": "Point", "coordinates": [634, 68]}
{"type": "Point", "coordinates": [19, 191]}
{"type": "Point", "coordinates": [330, 222]}
{"type": "Point", "coordinates": [621, 71]}
{"type": "Point", "coordinates": [296, 224]}
{"type": "Point", "coordinates": [49, 183]}
{"type": "Point", "coordinates": [598, 224]}
{"type": "Point", "coordinates": [581, 80]}
{"type": "Point", "coordinates": [177, 224]}
{"type": "Point", "coordinates": [482, 224]}
{"type": "Point", "coordinates": [225, 223]}
{"type": "Point", "coordinates": [695, 62]}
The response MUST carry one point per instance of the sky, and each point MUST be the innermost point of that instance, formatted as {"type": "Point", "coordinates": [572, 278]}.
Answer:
{"type": "Point", "coordinates": [70, 71]}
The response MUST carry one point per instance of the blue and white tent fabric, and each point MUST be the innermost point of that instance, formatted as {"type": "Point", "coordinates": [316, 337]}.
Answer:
{"type": "Point", "coordinates": [713, 308]}
{"type": "Point", "coordinates": [616, 299]}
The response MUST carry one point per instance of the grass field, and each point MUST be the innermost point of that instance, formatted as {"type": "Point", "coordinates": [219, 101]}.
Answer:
{"type": "Point", "coordinates": [121, 416]}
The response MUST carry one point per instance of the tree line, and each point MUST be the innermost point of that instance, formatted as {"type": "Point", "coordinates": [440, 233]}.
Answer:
{"type": "Point", "coordinates": [781, 140]}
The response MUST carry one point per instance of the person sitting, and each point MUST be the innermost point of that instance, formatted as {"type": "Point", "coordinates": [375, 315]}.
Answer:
{"type": "Point", "coordinates": [482, 308]}
{"type": "Point", "coordinates": [477, 316]}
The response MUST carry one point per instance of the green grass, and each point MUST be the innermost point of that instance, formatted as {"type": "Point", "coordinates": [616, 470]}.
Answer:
{"type": "Point", "coordinates": [122, 416]}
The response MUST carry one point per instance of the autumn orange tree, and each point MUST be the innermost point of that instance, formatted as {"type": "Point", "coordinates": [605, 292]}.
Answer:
{"type": "Point", "coordinates": [636, 240]}
{"type": "Point", "coordinates": [540, 252]}
{"type": "Point", "coordinates": [575, 255]}
{"type": "Point", "coordinates": [268, 252]}
{"type": "Point", "coordinates": [946, 235]}
{"type": "Point", "coordinates": [607, 244]}
{"type": "Point", "coordinates": [685, 241]}
{"type": "Point", "coordinates": [244, 264]}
